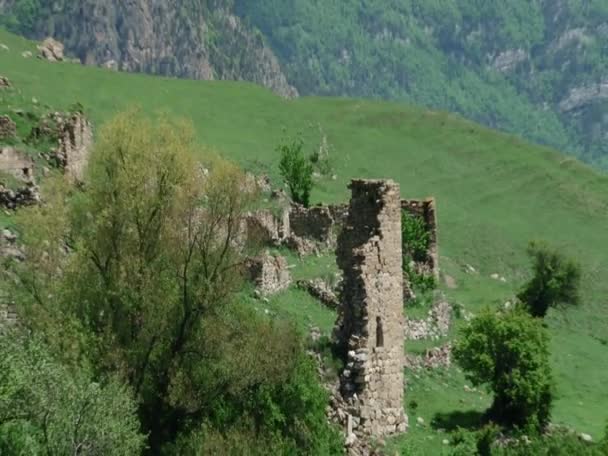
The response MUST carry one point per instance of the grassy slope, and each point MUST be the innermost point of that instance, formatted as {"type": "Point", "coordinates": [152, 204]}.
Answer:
{"type": "Point", "coordinates": [494, 192]}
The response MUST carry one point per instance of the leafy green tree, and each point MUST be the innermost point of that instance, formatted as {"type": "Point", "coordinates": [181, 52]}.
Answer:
{"type": "Point", "coordinates": [46, 408]}
{"type": "Point", "coordinates": [556, 280]}
{"type": "Point", "coordinates": [140, 275]}
{"type": "Point", "coordinates": [296, 169]}
{"type": "Point", "coordinates": [509, 352]}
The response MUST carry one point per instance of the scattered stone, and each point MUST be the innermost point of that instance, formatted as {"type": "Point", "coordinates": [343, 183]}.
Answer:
{"type": "Point", "coordinates": [270, 273]}
{"type": "Point", "coordinates": [315, 333]}
{"type": "Point", "coordinates": [470, 269]}
{"type": "Point", "coordinates": [586, 437]}
{"type": "Point", "coordinates": [27, 54]}
{"type": "Point", "coordinates": [51, 50]}
{"type": "Point", "coordinates": [25, 196]}
{"type": "Point", "coordinates": [8, 128]}
{"type": "Point", "coordinates": [445, 441]}
{"type": "Point", "coordinates": [110, 65]}
{"type": "Point", "coordinates": [495, 276]}
{"type": "Point", "coordinates": [9, 248]}
{"type": "Point", "coordinates": [3, 47]}
{"type": "Point", "coordinates": [4, 82]}
{"type": "Point", "coordinates": [420, 421]}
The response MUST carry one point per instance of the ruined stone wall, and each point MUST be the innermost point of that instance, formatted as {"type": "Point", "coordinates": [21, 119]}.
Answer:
{"type": "Point", "coordinates": [372, 321]}
{"type": "Point", "coordinates": [75, 144]}
{"type": "Point", "coordinates": [16, 164]}
{"type": "Point", "coordinates": [269, 273]}
{"type": "Point", "coordinates": [426, 209]}
{"type": "Point", "coordinates": [319, 224]}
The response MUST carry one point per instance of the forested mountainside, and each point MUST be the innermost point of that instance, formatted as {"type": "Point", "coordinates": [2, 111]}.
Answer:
{"type": "Point", "coordinates": [537, 68]}
{"type": "Point", "coordinates": [195, 39]}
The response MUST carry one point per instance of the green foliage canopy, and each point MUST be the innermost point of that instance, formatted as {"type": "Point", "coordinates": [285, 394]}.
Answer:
{"type": "Point", "coordinates": [556, 280]}
{"type": "Point", "coordinates": [296, 169]}
{"type": "Point", "coordinates": [509, 352]}
{"type": "Point", "coordinates": [48, 409]}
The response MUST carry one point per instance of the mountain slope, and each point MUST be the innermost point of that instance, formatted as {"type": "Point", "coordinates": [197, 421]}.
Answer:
{"type": "Point", "coordinates": [535, 68]}
{"type": "Point", "coordinates": [171, 38]}
{"type": "Point", "coordinates": [494, 192]}
{"type": "Point", "coordinates": [538, 68]}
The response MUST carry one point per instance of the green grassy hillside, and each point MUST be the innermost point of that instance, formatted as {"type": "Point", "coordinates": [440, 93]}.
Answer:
{"type": "Point", "coordinates": [494, 193]}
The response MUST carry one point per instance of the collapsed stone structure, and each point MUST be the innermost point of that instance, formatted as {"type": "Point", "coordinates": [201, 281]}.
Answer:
{"type": "Point", "coordinates": [18, 167]}
{"type": "Point", "coordinates": [263, 227]}
{"type": "Point", "coordinates": [73, 135]}
{"type": "Point", "coordinates": [75, 144]}
{"type": "Point", "coordinates": [426, 210]}
{"type": "Point", "coordinates": [51, 49]}
{"type": "Point", "coordinates": [8, 128]}
{"type": "Point", "coordinates": [371, 323]}
{"type": "Point", "coordinates": [16, 164]}
{"type": "Point", "coordinates": [269, 273]}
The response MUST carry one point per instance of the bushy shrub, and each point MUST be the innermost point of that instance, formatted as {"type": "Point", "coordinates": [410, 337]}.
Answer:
{"type": "Point", "coordinates": [556, 280]}
{"type": "Point", "coordinates": [509, 352]}
{"type": "Point", "coordinates": [46, 408]}
{"type": "Point", "coordinates": [296, 169]}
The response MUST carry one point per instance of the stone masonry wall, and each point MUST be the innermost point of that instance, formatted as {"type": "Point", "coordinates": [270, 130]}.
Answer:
{"type": "Point", "coordinates": [426, 209]}
{"type": "Point", "coordinates": [269, 273]}
{"type": "Point", "coordinates": [372, 321]}
{"type": "Point", "coordinates": [75, 144]}
{"type": "Point", "coordinates": [319, 224]}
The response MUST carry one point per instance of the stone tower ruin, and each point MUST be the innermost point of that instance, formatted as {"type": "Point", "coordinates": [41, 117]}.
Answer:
{"type": "Point", "coordinates": [371, 327]}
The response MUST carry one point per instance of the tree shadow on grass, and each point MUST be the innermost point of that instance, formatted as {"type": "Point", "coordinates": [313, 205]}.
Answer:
{"type": "Point", "coordinates": [470, 419]}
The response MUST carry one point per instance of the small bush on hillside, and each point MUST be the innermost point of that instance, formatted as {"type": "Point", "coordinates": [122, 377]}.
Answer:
{"type": "Point", "coordinates": [296, 170]}
{"type": "Point", "coordinates": [556, 280]}
{"type": "Point", "coordinates": [509, 352]}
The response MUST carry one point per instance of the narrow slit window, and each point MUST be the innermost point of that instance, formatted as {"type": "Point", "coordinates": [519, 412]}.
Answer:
{"type": "Point", "coordinates": [379, 333]}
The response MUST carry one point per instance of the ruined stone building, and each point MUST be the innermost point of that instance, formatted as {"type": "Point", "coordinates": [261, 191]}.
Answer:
{"type": "Point", "coordinates": [371, 329]}
{"type": "Point", "coordinates": [16, 164]}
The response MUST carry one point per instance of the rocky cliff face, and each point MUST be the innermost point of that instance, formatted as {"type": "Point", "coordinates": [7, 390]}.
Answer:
{"type": "Point", "coordinates": [197, 39]}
